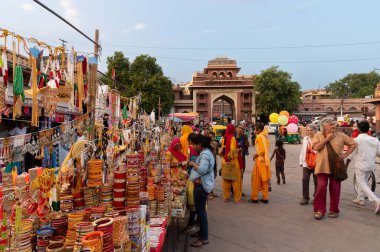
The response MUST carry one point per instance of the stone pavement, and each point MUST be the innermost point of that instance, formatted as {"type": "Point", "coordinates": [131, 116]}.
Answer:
{"type": "Point", "coordinates": [284, 225]}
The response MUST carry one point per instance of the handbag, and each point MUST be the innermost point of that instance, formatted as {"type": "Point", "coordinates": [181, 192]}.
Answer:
{"type": "Point", "coordinates": [311, 157]}
{"type": "Point", "coordinates": [338, 168]}
{"type": "Point", "coordinates": [228, 171]}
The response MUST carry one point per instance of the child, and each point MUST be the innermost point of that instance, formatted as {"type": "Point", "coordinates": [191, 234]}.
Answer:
{"type": "Point", "coordinates": [280, 161]}
{"type": "Point", "coordinates": [214, 145]}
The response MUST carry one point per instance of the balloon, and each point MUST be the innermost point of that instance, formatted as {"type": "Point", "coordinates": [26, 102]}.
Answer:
{"type": "Point", "coordinates": [273, 117]}
{"type": "Point", "coordinates": [293, 119]}
{"type": "Point", "coordinates": [282, 120]}
{"type": "Point", "coordinates": [292, 128]}
{"type": "Point", "coordinates": [285, 113]}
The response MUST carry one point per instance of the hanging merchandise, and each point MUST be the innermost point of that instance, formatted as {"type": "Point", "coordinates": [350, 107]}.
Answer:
{"type": "Point", "coordinates": [80, 86]}
{"type": "Point", "coordinates": [4, 66]}
{"type": "Point", "coordinates": [18, 92]}
{"type": "Point", "coordinates": [33, 78]}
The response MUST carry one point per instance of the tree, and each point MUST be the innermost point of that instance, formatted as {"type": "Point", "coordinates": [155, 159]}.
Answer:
{"type": "Point", "coordinates": [357, 85]}
{"type": "Point", "coordinates": [147, 77]}
{"type": "Point", "coordinates": [156, 88]}
{"type": "Point", "coordinates": [275, 91]}
{"type": "Point", "coordinates": [122, 69]}
{"type": "Point", "coordinates": [143, 76]}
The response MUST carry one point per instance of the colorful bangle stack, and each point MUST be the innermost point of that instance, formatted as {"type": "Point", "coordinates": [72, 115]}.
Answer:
{"type": "Point", "coordinates": [133, 180]}
{"type": "Point", "coordinates": [153, 208]}
{"type": "Point", "coordinates": [22, 242]}
{"type": "Point", "coordinates": [91, 198]}
{"type": "Point", "coordinates": [56, 247]}
{"type": "Point", "coordinates": [78, 200]}
{"type": "Point", "coordinates": [59, 223]}
{"type": "Point", "coordinates": [73, 218]}
{"type": "Point", "coordinates": [120, 230]}
{"type": "Point", "coordinates": [67, 203]}
{"type": "Point", "coordinates": [57, 239]}
{"type": "Point", "coordinates": [143, 178]}
{"type": "Point", "coordinates": [94, 173]}
{"type": "Point", "coordinates": [132, 159]}
{"type": "Point", "coordinates": [106, 195]}
{"type": "Point", "coordinates": [97, 212]}
{"type": "Point", "coordinates": [93, 241]}
{"type": "Point", "coordinates": [43, 236]}
{"type": "Point", "coordinates": [105, 225]}
{"type": "Point", "coordinates": [82, 228]}
{"type": "Point", "coordinates": [119, 189]}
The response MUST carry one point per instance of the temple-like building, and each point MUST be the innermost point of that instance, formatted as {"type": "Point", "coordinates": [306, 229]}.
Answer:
{"type": "Point", "coordinates": [217, 92]}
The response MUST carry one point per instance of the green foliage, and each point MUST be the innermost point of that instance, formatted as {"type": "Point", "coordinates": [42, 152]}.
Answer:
{"type": "Point", "coordinates": [356, 85]}
{"type": "Point", "coordinates": [275, 91]}
{"type": "Point", "coordinates": [122, 69]}
{"type": "Point", "coordinates": [143, 76]}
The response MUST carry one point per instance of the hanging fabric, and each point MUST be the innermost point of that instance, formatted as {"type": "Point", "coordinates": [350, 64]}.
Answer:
{"type": "Point", "coordinates": [18, 91]}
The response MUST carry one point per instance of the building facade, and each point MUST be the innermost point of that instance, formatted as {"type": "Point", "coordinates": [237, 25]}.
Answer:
{"type": "Point", "coordinates": [217, 92]}
{"type": "Point", "coordinates": [317, 103]}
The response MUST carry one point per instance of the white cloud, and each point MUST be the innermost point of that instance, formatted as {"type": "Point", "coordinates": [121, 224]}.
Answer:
{"type": "Point", "coordinates": [139, 27]}
{"type": "Point", "coordinates": [212, 30]}
{"type": "Point", "coordinates": [27, 6]}
{"type": "Point", "coordinates": [71, 13]}
{"type": "Point", "coordinates": [304, 6]}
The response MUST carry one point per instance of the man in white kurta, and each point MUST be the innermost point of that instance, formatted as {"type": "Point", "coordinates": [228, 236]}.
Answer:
{"type": "Point", "coordinates": [364, 162]}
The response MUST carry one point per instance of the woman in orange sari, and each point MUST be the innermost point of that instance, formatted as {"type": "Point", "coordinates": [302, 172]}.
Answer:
{"type": "Point", "coordinates": [185, 132]}
{"type": "Point", "coordinates": [261, 170]}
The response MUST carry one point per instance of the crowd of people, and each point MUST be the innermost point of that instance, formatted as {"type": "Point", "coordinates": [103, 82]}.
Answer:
{"type": "Point", "coordinates": [322, 156]}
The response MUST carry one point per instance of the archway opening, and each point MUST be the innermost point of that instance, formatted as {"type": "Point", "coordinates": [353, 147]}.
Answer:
{"type": "Point", "coordinates": [223, 107]}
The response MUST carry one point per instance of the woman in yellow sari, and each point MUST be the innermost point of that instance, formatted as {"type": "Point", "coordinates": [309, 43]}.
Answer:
{"type": "Point", "coordinates": [185, 132]}
{"type": "Point", "coordinates": [261, 171]}
{"type": "Point", "coordinates": [231, 172]}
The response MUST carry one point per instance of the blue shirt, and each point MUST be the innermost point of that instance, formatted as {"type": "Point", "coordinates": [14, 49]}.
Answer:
{"type": "Point", "coordinates": [206, 162]}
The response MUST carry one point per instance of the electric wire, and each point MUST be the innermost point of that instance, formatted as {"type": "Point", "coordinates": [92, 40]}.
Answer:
{"type": "Point", "coordinates": [67, 22]}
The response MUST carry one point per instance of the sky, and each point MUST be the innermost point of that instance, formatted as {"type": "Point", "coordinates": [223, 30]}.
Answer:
{"type": "Point", "coordinates": [317, 41]}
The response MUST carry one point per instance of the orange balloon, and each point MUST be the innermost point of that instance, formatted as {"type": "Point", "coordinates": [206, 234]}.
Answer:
{"type": "Point", "coordinates": [285, 113]}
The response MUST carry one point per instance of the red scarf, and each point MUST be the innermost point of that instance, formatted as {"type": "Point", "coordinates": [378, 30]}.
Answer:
{"type": "Point", "coordinates": [178, 154]}
{"type": "Point", "coordinates": [227, 140]}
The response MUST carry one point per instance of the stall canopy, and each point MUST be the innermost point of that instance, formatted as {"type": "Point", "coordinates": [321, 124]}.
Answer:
{"type": "Point", "coordinates": [185, 117]}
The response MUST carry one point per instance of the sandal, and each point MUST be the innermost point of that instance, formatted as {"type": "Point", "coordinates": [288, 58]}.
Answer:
{"type": "Point", "coordinates": [199, 243]}
{"type": "Point", "coordinates": [239, 202]}
{"type": "Point", "coordinates": [333, 215]}
{"type": "Point", "coordinates": [318, 215]}
{"type": "Point", "coordinates": [226, 200]}
{"type": "Point", "coordinates": [196, 234]}
{"type": "Point", "coordinates": [253, 201]}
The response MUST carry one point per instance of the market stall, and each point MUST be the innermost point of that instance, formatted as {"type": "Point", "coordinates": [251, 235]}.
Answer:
{"type": "Point", "coordinates": [103, 186]}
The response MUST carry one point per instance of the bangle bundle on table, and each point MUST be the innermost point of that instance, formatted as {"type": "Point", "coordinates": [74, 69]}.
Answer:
{"type": "Point", "coordinates": [119, 187]}
{"type": "Point", "coordinates": [43, 237]}
{"type": "Point", "coordinates": [82, 229]}
{"type": "Point", "coordinates": [105, 225]}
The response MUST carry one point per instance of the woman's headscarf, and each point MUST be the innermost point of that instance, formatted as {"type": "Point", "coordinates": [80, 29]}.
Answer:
{"type": "Point", "coordinates": [230, 131]}
{"type": "Point", "coordinates": [178, 154]}
{"type": "Point", "coordinates": [185, 132]}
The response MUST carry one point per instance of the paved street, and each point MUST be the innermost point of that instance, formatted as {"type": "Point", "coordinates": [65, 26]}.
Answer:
{"type": "Point", "coordinates": [284, 225]}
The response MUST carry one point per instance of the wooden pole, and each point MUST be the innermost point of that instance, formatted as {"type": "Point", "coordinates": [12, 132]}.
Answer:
{"type": "Point", "coordinates": [93, 85]}
{"type": "Point", "coordinates": [159, 109]}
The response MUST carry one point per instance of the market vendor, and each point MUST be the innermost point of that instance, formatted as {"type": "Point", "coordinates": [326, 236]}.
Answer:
{"type": "Point", "coordinates": [185, 132]}
{"type": "Point", "coordinates": [175, 155]}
